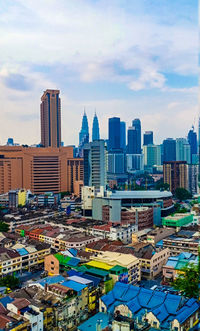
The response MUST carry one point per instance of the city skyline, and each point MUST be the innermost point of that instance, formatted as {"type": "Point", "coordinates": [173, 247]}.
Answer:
{"type": "Point", "coordinates": [114, 70]}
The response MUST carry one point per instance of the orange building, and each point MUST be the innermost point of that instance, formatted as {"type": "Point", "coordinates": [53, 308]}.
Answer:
{"type": "Point", "coordinates": [39, 169]}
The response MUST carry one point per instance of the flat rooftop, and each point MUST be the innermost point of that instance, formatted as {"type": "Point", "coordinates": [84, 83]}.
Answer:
{"type": "Point", "coordinates": [154, 194]}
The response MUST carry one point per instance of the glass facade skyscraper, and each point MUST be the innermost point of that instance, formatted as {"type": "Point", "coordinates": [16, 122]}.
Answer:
{"type": "Point", "coordinates": [114, 133]}
{"type": "Point", "coordinates": [192, 140]}
{"type": "Point", "coordinates": [148, 138]}
{"type": "Point", "coordinates": [123, 135]}
{"type": "Point", "coordinates": [95, 128]}
{"type": "Point", "coordinates": [169, 149]}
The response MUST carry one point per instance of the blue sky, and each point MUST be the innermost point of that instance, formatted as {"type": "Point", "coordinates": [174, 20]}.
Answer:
{"type": "Point", "coordinates": [124, 58]}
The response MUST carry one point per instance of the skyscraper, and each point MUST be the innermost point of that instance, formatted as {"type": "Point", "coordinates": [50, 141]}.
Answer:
{"type": "Point", "coordinates": [175, 173]}
{"type": "Point", "coordinates": [192, 139]}
{"type": "Point", "coordinates": [137, 125]}
{"type": "Point", "coordinates": [50, 115]}
{"type": "Point", "coordinates": [95, 164]}
{"type": "Point", "coordinates": [152, 155]}
{"type": "Point", "coordinates": [169, 149]}
{"type": "Point", "coordinates": [148, 138]}
{"type": "Point", "coordinates": [123, 135]}
{"type": "Point", "coordinates": [83, 134]}
{"type": "Point", "coordinates": [114, 133]}
{"type": "Point", "coordinates": [95, 128]}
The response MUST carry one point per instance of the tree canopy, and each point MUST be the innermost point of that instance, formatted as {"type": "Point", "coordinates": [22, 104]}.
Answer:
{"type": "Point", "coordinates": [182, 194]}
{"type": "Point", "coordinates": [10, 281]}
{"type": "Point", "coordinates": [188, 282]}
{"type": "Point", "coordinates": [4, 227]}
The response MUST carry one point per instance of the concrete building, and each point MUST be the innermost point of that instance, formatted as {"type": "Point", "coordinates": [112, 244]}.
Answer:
{"type": "Point", "coordinates": [175, 264]}
{"type": "Point", "coordinates": [183, 241]}
{"type": "Point", "coordinates": [95, 164]}
{"type": "Point", "coordinates": [50, 116]}
{"type": "Point", "coordinates": [159, 234]}
{"type": "Point", "coordinates": [193, 172]}
{"type": "Point", "coordinates": [128, 261]}
{"type": "Point", "coordinates": [39, 169]}
{"type": "Point", "coordinates": [177, 220]}
{"type": "Point", "coordinates": [175, 173]}
{"type": "Point", "coordinates": [109, 208]}
{"type": "Point", "coordinates": [123, 233]}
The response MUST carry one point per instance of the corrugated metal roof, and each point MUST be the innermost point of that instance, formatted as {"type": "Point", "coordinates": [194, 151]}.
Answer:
{"type": "Point", "coordinates": [74, 285]}
{"type": "Point", "coordinates": [80, 280]}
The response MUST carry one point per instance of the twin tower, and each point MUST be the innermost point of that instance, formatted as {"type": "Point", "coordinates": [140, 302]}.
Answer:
{"type": "Point", "coordinates": [50, 118]}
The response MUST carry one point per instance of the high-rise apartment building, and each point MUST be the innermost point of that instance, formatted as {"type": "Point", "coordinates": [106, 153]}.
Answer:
{"type": "Point", "coordinates": [50, 115]}
{"type": "Point", "coordinates": [169, 149]}
{"type": "Point", "coordinates": [152, 155]}
{"type": "Point", "coordinates": [114, 131]}
{"type": "Point", "coordinates": [193, 172]}
{"type": "Point", "coordinates": [148, 138]}
{"type": "Point", "coordinates": [39, 169]}
{"type": "Point", "coordinates": [175, 174]}
{"type": "Point", "coordinates": [95, 128]}
{"type": "Point", "coordinates": [95, 164]}
{"type": "Point", "coordinates": [183, 150]}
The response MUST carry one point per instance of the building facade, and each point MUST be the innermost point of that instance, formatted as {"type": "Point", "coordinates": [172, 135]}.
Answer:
{"type": "Point", "coordinates": [39, 169]}
{"type": "Point", "coordinates": [50, 116]}
{"type": "Point", "coordinates": [148, 138]}
{"type": "Point", "coordinates": [175, 173]}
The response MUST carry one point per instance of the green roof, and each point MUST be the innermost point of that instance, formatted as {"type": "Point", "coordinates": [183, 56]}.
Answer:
{"type": "Point", "coordinates": [94, 271]}
{"type": "Point", "coordinates": [117, 269]}
{"type": "Point", "coordinates": [62, 259]}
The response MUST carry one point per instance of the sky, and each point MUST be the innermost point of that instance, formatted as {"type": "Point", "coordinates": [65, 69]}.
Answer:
{"type": "Point", "coordinates": [126, 58]}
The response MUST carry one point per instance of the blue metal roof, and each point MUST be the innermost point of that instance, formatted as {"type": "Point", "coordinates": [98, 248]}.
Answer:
{"type": "Point", "coordinates": [166, 307]}
{"type": "Point", "coordinates": [22, 251]}
{"type": "Point", "coordinates": [74, 285]}
{"type": "Point", "coordinates": [73, 262]}
{"type": "Point", "coordinates": [91, 323]}
{"type": "Point", "coordinates": [5, 300]}
{"type": "Point", "coordinates": [73, 251]}
{"type": "Point", "coordinates": [51, 280]}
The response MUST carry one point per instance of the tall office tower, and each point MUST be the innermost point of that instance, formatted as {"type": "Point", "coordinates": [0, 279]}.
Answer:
{"type": "Point", "coordinates": [152, 155]}
{"type": "Point", "coordinates": [123, 136]}
{"type": "Point", "coordinates": [193, 172]}
{"type": "Point", "coordinates": [187, 153]}
{"type": "Point", "coordinates": [148, 138]}
{"type": "Point", "coordinates": [114, 133]}
{"type": "Point", "coordinates": [137, 125]}
{"type": "Point", "coordinates": [95, 164]}
{"type": "Point", "coordinates": [181, 149]}
{"type": "Point", "coordinates": [169, 150]}
{"type": "Point", "coordinates": [50, 115]}
{"type": "Point", "coordinates": [83, 134]}
{"type": "Point", "coordinates": [95, 128]}
{"type": "Point", "coordinates": [192, 140]}
{"type": "Point", "coordinates": [175, 173]}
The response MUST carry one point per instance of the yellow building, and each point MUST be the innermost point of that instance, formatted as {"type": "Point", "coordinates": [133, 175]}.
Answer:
{"type": "Point", "coordinates": [22, 196]}
{"type": "Point", "coordinates": [106, 260]}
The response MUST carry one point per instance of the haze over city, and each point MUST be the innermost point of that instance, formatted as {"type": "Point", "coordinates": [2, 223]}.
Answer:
{"type": "Point", "coordinates": [131, 59]}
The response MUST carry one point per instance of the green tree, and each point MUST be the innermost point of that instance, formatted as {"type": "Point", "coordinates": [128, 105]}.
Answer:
{"type": "Point", "coordinates": [188, 282]}
{"type": "Point", "coordinates": [10, 281]}
{"type": "Point", "coordinates": [182, 194]}
{"type": "Point", "coordinates": [4, 227]}
{"type": "Point", "coordinates": [63, 194]}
